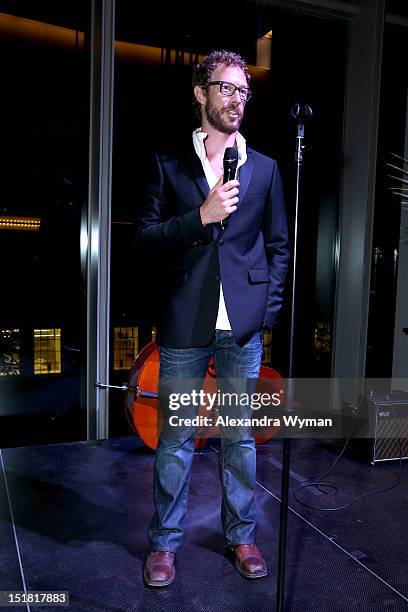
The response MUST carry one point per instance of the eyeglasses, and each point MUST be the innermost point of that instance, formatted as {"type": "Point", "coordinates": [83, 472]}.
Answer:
{"type": "Point", "coordinates": [228, 89]}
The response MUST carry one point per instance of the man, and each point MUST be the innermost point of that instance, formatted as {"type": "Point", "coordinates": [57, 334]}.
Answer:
{"type": "Point", "coordinates": [225, 250]}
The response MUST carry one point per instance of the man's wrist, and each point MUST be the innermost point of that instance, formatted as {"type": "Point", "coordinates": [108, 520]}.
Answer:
{"type": "Point", "coordinates": [201, 217]}
{"type": "Point", "coordinates": [204, 222]}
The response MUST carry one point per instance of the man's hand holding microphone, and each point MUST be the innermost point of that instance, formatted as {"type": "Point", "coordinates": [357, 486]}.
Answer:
{"type": "Point", "coordinates": [223, 197]}
{"type": "Point", "coordinates": [221, 201]}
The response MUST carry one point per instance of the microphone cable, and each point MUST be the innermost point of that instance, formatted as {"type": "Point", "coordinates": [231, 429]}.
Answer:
{"type": "Point", "coordinates": [319, 483]}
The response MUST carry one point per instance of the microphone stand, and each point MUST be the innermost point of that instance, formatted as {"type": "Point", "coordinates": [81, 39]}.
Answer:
{"type": "Point", "coordinates": [300, 114]}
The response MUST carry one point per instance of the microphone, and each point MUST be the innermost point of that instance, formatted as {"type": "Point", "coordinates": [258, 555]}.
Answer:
{"type": "Point", "coordinates": [230, 163]}
{"type": "Point", "coordinates": [301, 113]}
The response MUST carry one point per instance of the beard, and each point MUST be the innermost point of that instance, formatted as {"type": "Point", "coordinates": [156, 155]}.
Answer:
{"type": "Point", "coordinates": [218, 118]}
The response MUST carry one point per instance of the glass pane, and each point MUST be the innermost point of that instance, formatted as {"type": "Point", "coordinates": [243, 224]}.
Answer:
{"type": "Point", "coordinates": [386, 343]}
{"type": "Point", "coordinates": [44, 168]}
{"type": "Point", "coordinates": [153, 110]}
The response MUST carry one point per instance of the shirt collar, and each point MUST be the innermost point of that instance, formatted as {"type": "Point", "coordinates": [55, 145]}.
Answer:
{"type": "Point", "coordinates": [198, 140]}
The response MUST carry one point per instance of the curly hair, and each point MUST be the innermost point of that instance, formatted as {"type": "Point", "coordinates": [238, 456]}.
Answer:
{"type": "Point", "coordinates": [202, 72]}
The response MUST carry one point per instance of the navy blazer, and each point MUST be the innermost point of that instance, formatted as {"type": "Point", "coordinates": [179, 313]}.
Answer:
{"type": "Point", "coordinates": [250, 256]}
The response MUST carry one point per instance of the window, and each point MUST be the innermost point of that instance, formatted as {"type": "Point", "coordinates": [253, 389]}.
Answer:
{"type": "Point", "coordinates": [47, 351]}
{"type": "Point", "coordinates": [125, 347]}
{"type": "Point", "coordinates": [267, 354]}
{"type": "Point", "coordinates": [10, 352]}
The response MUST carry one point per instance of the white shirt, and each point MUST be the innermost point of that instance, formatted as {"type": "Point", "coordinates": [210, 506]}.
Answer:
{"type": "Point", "coordinates": [198, 141]}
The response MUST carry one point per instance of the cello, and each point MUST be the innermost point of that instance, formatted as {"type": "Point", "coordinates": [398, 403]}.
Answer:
{"type": "Point", "coordinates": [142, 397]}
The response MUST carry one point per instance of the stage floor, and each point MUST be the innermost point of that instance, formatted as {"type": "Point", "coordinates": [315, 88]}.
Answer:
{"type": "Point", "coordinates": [74, 518]}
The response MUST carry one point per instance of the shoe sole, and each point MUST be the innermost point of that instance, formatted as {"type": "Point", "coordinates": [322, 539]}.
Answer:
{"type": "Point", "coordinates": [247, 574]}
{"type": "Point", "coordinates": [161, 583]}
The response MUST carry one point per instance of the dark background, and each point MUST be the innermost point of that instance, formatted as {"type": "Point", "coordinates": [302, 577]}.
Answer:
{"type": "Point", "coordinates": [44, 172]}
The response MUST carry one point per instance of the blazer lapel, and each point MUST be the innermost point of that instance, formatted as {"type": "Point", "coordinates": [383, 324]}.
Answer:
{"type": "Point", "coordinates": [245, 173]}
{"type": "Point", "coordinates": [197, 173]}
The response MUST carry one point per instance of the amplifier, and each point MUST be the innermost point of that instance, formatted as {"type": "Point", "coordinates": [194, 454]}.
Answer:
{"type": "Point", "coordinates": [388, 417]}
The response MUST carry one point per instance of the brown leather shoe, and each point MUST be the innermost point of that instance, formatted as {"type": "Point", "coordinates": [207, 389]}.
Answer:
{"type": "Point", "coordinates": [159, 570]}
{"type": "Point", "coordinates": [249, 561]}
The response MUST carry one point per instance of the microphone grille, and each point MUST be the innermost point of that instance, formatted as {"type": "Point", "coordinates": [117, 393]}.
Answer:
{"type": "Point", "coordinates": [231, 155]}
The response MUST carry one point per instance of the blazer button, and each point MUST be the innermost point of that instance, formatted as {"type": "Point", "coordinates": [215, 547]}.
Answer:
{"type": "Point", "coordinates": [217, 277]}
{"type": "Point", "coordinates": [221, 241]}
{"type": "Point", "coordinates": [195, 243]}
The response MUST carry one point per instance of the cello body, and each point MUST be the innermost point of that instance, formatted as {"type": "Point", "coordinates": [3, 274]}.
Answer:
{"type": "Point", "coordinates": [142, 400]}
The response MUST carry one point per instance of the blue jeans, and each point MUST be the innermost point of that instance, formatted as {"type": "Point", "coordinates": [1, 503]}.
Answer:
{"type": "Point", "coordinates": [237, 459]}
